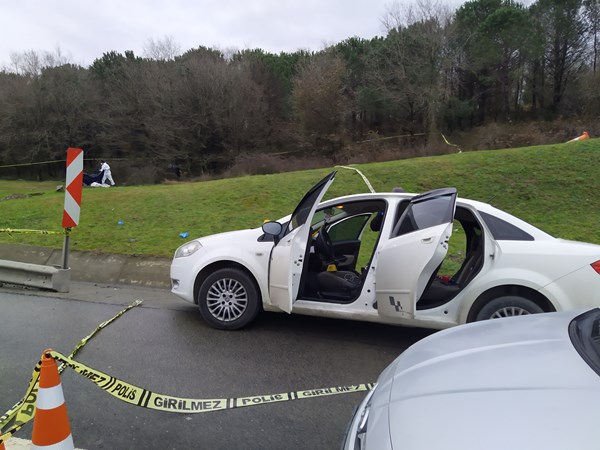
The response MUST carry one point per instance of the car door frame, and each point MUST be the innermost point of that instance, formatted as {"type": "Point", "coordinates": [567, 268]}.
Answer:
{"type": "Point", "coordinates": [286, 262]}
{"type": "Point", "coordinates": [409, 259]}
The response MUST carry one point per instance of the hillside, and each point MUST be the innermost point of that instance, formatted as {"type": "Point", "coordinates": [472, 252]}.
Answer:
{"type": "Point", "coordinates": [554, 187]}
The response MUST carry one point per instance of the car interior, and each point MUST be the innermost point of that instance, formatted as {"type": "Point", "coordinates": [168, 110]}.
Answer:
{"type": "Point", "coordinates": [345, 237]}
{"type": "Point", "coordinates": [343, 242]}
{"type": "Point", "coordinates": [443, 287]}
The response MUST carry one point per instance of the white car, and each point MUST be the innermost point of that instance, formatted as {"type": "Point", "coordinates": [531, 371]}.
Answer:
{"type": "Point", "coordinates": [378, 257]}
{"type": "Point", "coordinates": [527, 383]}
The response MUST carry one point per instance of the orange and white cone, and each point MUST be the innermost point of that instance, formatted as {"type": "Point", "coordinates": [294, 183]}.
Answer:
{"type": "Point", "coordinates": [583, 136]}
{"type": "Point", "coordinates": [51, 428]}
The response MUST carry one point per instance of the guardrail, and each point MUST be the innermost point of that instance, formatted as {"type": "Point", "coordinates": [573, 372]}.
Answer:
{"type": "Point", "coordinates": [35, 275]}
{"type": "Point", "coordinates": [57, 278]}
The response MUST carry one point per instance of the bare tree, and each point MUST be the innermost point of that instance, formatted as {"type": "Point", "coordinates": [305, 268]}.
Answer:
{"type": "Point", "coordinates": [318, 100]}
{"type": "Point", "coordinates": [31, 62]}
{"type": "Point", "coordinates": [165, 49]}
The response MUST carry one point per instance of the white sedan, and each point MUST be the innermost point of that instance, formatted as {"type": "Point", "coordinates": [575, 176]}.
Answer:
{"type": "Point", "coordinates": [516, 383]}
{"type": "Point", "coordinates": [382, 257]}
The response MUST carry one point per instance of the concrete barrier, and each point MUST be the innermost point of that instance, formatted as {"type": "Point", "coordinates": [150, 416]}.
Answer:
{"type": "Point", "coordinates": [96, 267]}
{"type": "Point", "coordinates": [35, 275]}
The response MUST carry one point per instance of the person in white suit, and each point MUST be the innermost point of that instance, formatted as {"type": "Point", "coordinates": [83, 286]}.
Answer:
{"type": "Point", "coordinates": [106, 175]}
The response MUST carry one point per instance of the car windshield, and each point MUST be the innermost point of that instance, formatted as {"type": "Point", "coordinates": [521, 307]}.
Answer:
{"type": "Point", "coordinates": [584, 331]}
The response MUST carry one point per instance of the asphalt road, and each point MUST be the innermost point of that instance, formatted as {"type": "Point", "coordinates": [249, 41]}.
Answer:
{"type": "Point", "coordinates": [172, 351]}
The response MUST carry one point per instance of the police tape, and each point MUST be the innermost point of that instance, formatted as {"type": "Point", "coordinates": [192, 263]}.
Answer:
{"type": "Point", "coordinates": [10, 231]}
{"type": "Point", "coordinates": [452, 145]}
{"type": "Point", "coordinates": [365, 179]}
{"type": "Point", "coordinates": [145, 398]}
{"type": "Point", "coordinates": [55, 161]}
{"type": "Point", "coordinates": [24, 410]}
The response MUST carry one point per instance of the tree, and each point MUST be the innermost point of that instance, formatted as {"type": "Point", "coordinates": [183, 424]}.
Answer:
{"type": "Point", "coordinates": [498, 38]}
{"type": "Point", "coordinates": [592, 15]}
{"type": "Point", "coordinates": [409, 66]}
{"type": "Point", "coordinates": [565, 33]}
{"type": "Point", "coordinates": [319, 102]}
{"type": "Point", "coordinates": [31, 63]}
{"type": "Point", "coordinates": [165, 49]}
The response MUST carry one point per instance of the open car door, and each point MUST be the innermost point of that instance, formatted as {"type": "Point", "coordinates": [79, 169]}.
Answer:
{"type": "Point", "coordinates": [412, 256]}
{"type": "Point", "coordinates": [288, 255]}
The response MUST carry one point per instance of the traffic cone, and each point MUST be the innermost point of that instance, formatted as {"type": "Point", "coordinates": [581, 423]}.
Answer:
{"type": "Point", "coordinates": [584, 135]}
{"type": "Point", "coordinates": [51, 425]}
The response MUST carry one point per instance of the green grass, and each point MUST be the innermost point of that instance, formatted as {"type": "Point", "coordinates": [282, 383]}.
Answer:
{"type": "Point", "coordinates": [553, 187]}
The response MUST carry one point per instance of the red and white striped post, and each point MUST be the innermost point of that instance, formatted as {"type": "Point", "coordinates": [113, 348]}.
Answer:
{"type": "Point", "coordinates": [73, 190]}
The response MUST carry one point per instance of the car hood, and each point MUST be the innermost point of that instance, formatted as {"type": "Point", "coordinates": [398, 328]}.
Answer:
{"type": "Point", "coordinates": [231, 237]}
{"type": "Point", "coordinates": [489, 379]}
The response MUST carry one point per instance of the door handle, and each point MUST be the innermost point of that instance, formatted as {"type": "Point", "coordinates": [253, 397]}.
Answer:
{"type": "Point", "coordinates": [428, 240]}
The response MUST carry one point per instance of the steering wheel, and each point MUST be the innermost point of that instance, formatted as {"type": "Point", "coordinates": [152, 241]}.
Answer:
{"type": "Point", "coordinates": [324, 246]}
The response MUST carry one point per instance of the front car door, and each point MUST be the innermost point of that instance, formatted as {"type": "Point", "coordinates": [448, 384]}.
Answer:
{"type": "Point", "coordinates": [411, 257]}
{"type": "Point", "coordinates": [287, 257]}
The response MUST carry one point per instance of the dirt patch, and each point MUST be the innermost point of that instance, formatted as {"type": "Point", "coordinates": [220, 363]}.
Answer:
{"type": "Point", "coordinates": [16, 196]}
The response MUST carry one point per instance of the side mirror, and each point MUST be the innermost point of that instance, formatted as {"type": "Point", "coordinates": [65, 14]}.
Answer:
{"type": "Point", "coordinates": [272, 228]}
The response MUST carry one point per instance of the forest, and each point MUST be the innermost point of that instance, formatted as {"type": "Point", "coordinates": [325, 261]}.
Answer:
{"type": "Point", "coordinates": [435, 75]}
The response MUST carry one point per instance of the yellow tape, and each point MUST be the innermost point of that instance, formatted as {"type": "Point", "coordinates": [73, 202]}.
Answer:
{"type": "Point", "coordinates": [58, 161]}
{"type": "Point", "coordinates": [24, 410]}
{"type": "Point", "coordinates": [391, 137]}
{"type": "Point", "coordinates": [365, 179]}
{"type": "Point", "coordinates": [452, 145]}
{"type": "Point", "coordinates": [33, 163]}
{"type": "Point", "coordinates": [11, 231]}
{"type": "Point", "coordinates": [135, 395]}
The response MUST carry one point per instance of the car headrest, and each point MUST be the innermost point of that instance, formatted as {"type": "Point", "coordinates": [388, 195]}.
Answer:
{"type": "Point", "coordinates": [376, 222]}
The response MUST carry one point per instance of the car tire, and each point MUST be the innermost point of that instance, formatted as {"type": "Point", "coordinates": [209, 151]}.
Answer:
{"type": "Point", "coordinates": [228, 299]}
{"type": "Point", "coordinates": [507, 306]}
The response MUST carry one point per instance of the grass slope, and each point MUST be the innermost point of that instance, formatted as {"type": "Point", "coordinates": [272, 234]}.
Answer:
{"type": "Point", "coordinates": [553, 187]}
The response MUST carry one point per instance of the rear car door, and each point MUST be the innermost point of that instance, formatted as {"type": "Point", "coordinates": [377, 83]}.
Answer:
{"type": "Point", "coordinates": [410, 258]}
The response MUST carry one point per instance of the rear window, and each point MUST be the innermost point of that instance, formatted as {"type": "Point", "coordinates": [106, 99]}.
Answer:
{"type": "Point", "coordinates": [504, 231]}
{"type": "Point", "coordinates": [584, 331]}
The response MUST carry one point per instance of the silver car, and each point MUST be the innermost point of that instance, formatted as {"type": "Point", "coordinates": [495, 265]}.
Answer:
{"type": "Point", "coordinates": [529, 382]}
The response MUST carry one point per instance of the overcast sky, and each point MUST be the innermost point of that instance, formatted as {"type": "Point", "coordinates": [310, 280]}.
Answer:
{"type": "Point", "coordinates": [84, 29]}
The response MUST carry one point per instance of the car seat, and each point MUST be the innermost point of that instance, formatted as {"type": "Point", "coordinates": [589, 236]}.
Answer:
{"type": "Point", "coordinates": [338, 285]}
{"type": "Point", "coordinates": [341, 284]}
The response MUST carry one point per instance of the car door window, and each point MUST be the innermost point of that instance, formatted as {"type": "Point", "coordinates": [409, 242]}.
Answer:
{"type": "Point", "coordinates": [425, 212]}
{"type": "Point", "coordinates": [327, 214]}
{"type": "Point", "coordinates": [304, 208]}
{"type": "Point", "coordinates": [348, 229]}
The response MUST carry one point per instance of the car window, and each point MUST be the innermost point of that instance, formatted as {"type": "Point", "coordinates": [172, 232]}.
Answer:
{"type": "Point", "coordinates": [425, 214]}
{"type": "Point", "coordinates": [348, 229]}
{"type": "Point", "coordinates": [302, 211]}
{"type": "Point", "coordinates": [331, 214]}
{"type": "Point", "coordinates": [337, 213]}
{"type": "Point", "coordinates": [504, 231]}
{"type": "Point", "coordinates": [584, 331]}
